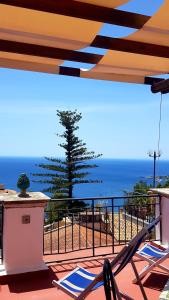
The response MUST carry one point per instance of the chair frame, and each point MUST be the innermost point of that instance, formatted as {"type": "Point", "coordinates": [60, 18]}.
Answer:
{"type": "Point", "coordinates": [124, 256]}
{"type": "Point", "coordinates": [152, 262]}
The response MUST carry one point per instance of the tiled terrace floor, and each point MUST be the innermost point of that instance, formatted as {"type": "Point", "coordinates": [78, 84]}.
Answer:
{"type": "Point", "coordinates": [39, 285]}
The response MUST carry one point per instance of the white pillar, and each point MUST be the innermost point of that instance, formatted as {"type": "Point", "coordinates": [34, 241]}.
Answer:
{"type": "Point", "coordinates": [23, 233]}
{"type": "Point", "coordinates": [164, 193]}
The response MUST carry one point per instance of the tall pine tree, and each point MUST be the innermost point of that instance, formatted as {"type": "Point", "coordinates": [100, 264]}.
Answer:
{"type": "Point", "coordinates": [66, 173]}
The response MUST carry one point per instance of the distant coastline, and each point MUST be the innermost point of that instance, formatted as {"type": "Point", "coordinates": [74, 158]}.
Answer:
{"type": "Point", "coordinates": [117, 174]}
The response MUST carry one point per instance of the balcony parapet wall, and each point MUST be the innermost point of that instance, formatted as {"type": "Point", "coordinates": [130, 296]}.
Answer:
{"type": "Point", "coordinates": [163, 232]}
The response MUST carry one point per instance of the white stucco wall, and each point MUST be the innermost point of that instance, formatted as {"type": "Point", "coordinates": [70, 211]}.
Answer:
{"type": "Point", "coordinates": [165, 220]}
{"type": "Point", "coordinates": [164, 193]}
{"type": "Point", "coordinates": [23, 243]}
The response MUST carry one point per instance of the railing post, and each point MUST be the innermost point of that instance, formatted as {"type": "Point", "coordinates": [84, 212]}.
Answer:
{"type": "Point", "coordinates": [1, 232]}
{"type": "Point", "coordinates": [72, 231]}
{"type": "Point", "coordinates": [112, 212]}
{"type": "Point", "coordinates": [93, 228]}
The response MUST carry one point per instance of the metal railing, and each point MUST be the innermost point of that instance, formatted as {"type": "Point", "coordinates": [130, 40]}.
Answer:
{"type": "Point", "coordinates": [104, 222]}
{"type": "Point", "coordinates": [1, 233]}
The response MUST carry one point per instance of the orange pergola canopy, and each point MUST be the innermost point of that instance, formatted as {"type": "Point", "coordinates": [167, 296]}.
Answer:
{"type": "Point", "coordinates": [42, 35]}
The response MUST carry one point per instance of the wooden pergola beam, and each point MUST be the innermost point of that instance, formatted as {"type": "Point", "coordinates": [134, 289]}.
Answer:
{"type": "Point", "coordinates": [83, 11]}
{"type": "Point", "coordinates": [161, 87]}
{"type": "Point", "coordinates": [56, 53]}
{"type": "Point", "coordinates": [130, 46]}
{"type": "Point", "coordinates": [49, 52]}
{"type": "Point", "coordinates": [84, 57]}
{"type": "Point", "coordinates": [152, 80]}
{"type": "Point", "coordinates": [69, 71]}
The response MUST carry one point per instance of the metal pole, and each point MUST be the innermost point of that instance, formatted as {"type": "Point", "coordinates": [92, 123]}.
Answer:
{"type": "Point", "coordinates": [154, 155]}
{"type": "Point", "coordinates": [93, 228]}
{"type": "Point", "coordinates": [154, 174]}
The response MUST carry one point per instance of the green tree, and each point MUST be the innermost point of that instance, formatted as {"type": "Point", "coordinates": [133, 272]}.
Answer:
{"type": "Point", "coordinates": [140, 205]}
{"type": "Point", "coordinates": [66, 173]}
{"type": "Point", "coordinates": [137, 203]}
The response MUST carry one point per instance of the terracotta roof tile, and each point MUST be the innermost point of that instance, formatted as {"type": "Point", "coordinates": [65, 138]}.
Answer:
{"type": "Point", "coordinates": [77, 237]}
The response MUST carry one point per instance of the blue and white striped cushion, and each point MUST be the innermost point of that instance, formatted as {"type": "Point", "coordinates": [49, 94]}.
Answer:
{"type": "Point", "coordinates": [79, 280]}
{"type": "Point", "coordinates": [152, 251]}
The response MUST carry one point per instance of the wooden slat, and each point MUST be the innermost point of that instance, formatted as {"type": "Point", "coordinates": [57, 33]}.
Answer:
{"type": "Point", "coordinates": [49, 52]}
{"type": "Point", "coordinates": [130, 46]}
{"type": "Point", "coordinates": [83, 11]}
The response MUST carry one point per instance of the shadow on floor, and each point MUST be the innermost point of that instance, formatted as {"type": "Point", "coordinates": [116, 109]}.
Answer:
{"type": "Point", "coordinates": [33, 282]}
{"type": "Point", "coordinates": [156, 281]}
{"type": "Point", "coordinates": [67, 267]}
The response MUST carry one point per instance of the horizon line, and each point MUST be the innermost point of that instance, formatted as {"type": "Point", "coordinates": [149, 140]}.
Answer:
{"type": "Point", "coordinates": [100, 158]}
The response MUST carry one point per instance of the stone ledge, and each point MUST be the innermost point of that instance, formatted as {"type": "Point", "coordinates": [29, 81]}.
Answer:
{"type": "Point", "coordinates": [161, 191]}
{"type": "Point", "coordinates": [14, 200]}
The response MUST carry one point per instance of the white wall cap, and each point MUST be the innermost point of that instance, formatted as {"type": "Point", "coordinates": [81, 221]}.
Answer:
{"type": "Point", "coordinates": [33, 199]}
{"type": "Point", "coordinates": [161, 191]}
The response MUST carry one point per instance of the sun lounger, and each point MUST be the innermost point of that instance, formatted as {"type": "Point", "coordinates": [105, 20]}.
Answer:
{"type": "Point", "coordinates": [79, 283]}
{"type": "Point", "coordinates": [155, 255]}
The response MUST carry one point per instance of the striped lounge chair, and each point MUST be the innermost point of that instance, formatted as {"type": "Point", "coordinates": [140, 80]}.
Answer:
{"type": "Point", "coordinates": [155, 255]}
{"type": "Point", "coordinates": [79, 283]}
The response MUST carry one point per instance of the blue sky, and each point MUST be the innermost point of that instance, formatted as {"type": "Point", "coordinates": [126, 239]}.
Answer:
{"type": "Point", "coordinates": [119, 120]}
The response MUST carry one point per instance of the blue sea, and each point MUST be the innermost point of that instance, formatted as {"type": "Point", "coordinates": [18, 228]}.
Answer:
{"type": "Point", "coordinates": [117, 175]}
